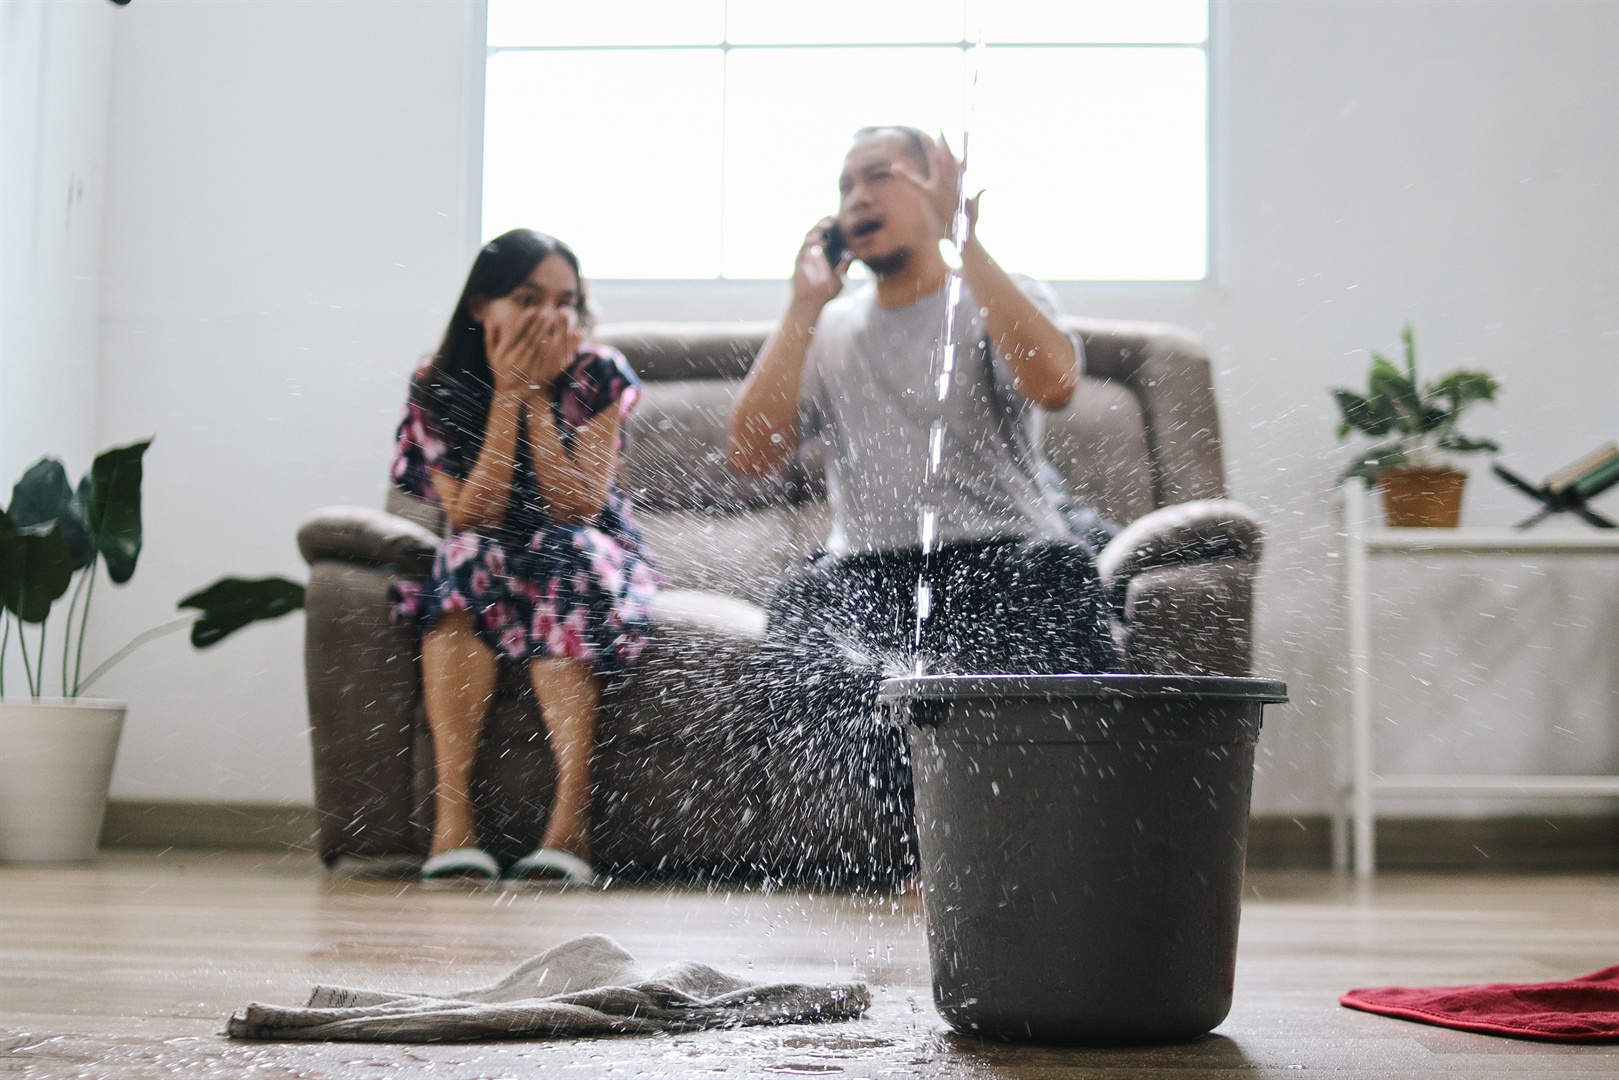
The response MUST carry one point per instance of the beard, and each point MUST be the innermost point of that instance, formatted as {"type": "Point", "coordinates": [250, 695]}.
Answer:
{"type": "Point", "coordinates": [893, 262]}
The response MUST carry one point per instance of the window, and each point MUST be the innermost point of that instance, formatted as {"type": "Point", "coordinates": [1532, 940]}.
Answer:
{"type": "Point", "coordinates": [702, 138]}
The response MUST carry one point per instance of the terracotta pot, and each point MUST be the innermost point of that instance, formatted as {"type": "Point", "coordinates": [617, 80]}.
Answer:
{"type": "Point", "coordinates": [1422, 498]}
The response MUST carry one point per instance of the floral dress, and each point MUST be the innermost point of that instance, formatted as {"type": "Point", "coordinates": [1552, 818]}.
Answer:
{"type": "Point", "coordinates": [534, 587]}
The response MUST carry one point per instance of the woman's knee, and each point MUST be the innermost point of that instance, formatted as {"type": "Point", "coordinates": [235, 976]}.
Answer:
{"type": "Point", "coordinates": [453, 654]}
{"type": "Point", "coordinates": [565, 680]}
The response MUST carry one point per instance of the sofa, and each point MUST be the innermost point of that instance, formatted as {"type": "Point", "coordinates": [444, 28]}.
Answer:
{"type": "Point", "coordinates": [692, 775]}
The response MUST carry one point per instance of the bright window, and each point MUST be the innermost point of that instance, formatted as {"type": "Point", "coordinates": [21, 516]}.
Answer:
{"type": "Point", "coordinates": [702, 138]}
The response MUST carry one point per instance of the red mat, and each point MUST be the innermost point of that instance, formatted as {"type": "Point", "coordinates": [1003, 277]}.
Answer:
{"type": "Point", "coordinates": [1581, 1010]}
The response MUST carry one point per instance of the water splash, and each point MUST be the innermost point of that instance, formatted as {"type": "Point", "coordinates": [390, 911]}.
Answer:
{"type": "Point", "coordinates": [927, 525]}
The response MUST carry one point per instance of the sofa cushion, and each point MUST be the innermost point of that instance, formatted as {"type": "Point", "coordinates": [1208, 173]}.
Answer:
{"type": "Point", "coordinates": [429, 515]}
{"type": "Point", "coordinates": [675, 456]}
{"type": "Point", "coordinates": [688, 612]}
{"type": "Point", "coordinates": [1116, 349]}
{"type": "Point", "coordinates": [742, 555]}
{"type": "Point", "coordinates": [1169, 371]}
{"type": "Point", "coordinates": [1098, 442]}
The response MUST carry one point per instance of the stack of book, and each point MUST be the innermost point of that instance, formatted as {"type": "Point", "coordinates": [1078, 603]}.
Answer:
{"type": "Point", "coordinates": [1568, 489]}
{"type": "Point", "coordinates": [1588, 477]}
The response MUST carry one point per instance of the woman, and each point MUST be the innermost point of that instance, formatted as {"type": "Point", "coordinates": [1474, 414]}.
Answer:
{"type": "Point", "coordinates": [513, 427]}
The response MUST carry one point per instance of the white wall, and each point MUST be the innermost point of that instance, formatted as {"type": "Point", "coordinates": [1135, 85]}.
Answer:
{"type": "Point", "coordinates": [287, 223]}
{"type": "Point", "coordinates": [54, 77]}
{"type": "Point", "coordinates": [286, 226]}
{"type": "Point", "coordinates": [1455, 166]}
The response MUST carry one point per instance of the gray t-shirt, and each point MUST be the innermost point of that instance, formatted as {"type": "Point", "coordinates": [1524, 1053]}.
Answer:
{"type": "Point", "coordinates": [871, 390]}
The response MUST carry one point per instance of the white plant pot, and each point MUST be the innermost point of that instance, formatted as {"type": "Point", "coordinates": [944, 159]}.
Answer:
{"type": "Point", "coordinates": [55, 766]}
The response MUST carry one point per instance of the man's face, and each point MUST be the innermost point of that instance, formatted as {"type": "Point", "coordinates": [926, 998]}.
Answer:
{"type": "Point", "coordinates": [882, 214]}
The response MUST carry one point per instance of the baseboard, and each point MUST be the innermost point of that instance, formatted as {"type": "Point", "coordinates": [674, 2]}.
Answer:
{"type": "Point", "coordinates": [1289, 843]}
{"type": "Point", "coordinates": [1559, 843]}
{"type": "Point", "coordinates": [208, 826]}
{"type": "Point", "coordinates": [1565, 843]}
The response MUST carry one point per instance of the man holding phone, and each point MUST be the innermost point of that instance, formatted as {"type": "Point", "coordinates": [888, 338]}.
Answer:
{"type": "Point", "coordinates": [1010, 581]}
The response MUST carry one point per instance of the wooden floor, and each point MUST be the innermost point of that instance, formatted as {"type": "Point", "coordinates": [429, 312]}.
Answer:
{"type": "Point", "coordinates": [128, 968]}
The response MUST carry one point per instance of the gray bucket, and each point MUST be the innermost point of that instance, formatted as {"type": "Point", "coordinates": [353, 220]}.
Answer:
{"type": "Point", "coordinates": [1082, 840]}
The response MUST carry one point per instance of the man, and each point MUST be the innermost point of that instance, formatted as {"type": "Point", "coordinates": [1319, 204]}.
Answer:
{"type": "Point", "coordinates": [953, 547]}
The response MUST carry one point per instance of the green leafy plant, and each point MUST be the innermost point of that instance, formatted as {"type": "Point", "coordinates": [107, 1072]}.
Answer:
{"type": "Point", "coordinates": [1416, 423]}
{"type": "Point", "coordinates": [54, 537]}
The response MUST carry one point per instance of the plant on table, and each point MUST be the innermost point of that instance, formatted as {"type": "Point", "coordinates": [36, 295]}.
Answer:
{"type": "Point", "coordinates": [1414, 425]}
{"type": "Point", "coordinates": [53, 539]}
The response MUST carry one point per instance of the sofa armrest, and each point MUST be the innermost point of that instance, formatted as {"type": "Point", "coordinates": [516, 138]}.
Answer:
{"type": "Point", "coordinates": [1197, 531]}
{"type": "Point", "coordinates": [360, 675]}
{"type": "Point", "coordinates": [1195, 618]}
{"type": "Point", "coordinates": [356, 534]}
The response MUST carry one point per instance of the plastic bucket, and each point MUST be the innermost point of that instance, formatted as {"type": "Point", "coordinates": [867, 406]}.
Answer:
{"type": "Point", "coordinates": [1082, 840]}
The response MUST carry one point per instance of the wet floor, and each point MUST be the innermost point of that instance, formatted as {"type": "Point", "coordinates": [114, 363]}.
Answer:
{"type": "Point", "coordinates": [129, 968]}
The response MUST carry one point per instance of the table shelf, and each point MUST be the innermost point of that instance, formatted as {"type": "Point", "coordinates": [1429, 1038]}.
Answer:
{"type": "Point", "coordinates": [1488, 542]}
{"type": "Point", "coordinates": [1357, 796]}
{"type": "Point", "coordinates": [1456, 784]}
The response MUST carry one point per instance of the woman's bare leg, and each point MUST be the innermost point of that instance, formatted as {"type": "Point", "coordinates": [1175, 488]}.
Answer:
{"type": "Point", "coordinates": [569, 694]}
{"type": "Point", "coordinates": [458, 679]}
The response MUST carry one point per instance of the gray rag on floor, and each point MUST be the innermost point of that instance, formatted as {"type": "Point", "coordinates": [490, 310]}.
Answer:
{"type": "Point", "coordinates": [587, 986]}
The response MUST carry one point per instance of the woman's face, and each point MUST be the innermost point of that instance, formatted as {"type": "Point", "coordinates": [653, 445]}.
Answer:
{"type": "Point", "coordinates": [550, 286]}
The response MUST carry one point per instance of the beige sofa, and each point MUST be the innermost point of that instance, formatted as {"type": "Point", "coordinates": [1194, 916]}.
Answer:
{"type": "Point", "coordinates": [691, 776]}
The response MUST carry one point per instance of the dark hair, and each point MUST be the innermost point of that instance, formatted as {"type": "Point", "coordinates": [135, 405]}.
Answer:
{"type": "Point", "coordinates": [458, 385]}
{"type": "Point", "coordinates": [503, 264]}
{"type": "Point", "coordinates": [916, 141]}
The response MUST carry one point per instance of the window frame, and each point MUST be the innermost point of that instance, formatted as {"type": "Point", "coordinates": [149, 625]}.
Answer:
{"type": "Point", "coordinates": [479, 52]}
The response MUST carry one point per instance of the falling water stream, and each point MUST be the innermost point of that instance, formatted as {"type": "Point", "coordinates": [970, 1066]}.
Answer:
{"type": "Point", "coordinates": [927, 504]}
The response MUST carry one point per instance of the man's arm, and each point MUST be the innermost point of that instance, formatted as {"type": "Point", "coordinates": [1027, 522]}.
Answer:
{"type": "Point", "coordinates": [1037, 352]}
{"type": "Point", "coordinates": [764, 421]}
{"type": "Point", "coordinates": [1039, 355]}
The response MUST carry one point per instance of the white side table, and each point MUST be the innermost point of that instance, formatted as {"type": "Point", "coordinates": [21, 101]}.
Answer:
{"type": "Point", "coordinates": [1357, 796]}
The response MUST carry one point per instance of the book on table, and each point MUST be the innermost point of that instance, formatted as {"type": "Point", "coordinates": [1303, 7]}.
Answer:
{"type": "Point", "coordinates": [1583, 474]}
{"type": "Point", "coordinates": [1569, 489]}
{"type": "Point", "coordinates": [1597, 480]}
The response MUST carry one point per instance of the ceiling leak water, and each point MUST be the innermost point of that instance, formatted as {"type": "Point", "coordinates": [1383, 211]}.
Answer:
{"type": "Point", "coordinates": [927, 501]}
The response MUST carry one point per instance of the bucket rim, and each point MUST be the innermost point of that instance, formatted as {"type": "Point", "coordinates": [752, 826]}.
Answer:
{"type": "Point", "coordinates": [1108, 685]}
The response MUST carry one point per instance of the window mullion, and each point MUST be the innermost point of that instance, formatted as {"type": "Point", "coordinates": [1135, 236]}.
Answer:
{"type": "Point", "coordinates": [1080, 84]}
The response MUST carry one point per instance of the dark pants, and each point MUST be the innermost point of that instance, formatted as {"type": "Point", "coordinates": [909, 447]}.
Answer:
{"type": "Point", "coordinates": [837, 627]}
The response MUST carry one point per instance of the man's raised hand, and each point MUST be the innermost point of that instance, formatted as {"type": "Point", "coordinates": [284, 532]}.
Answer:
{"type": "Point", "coordinates": [941, 187]}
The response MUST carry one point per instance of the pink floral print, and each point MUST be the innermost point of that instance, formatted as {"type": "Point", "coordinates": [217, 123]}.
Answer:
{"type": "Point", "coordinates": [535, 588]}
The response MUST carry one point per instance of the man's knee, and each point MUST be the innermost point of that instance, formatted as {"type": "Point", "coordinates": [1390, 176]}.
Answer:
{"type": "Point", "coordinates": [1032, 606]}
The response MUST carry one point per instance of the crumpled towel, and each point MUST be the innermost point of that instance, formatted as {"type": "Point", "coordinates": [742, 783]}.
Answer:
{"type": "Point", "coordinates": [587, 986]}
{"type": "Point", "coordinates": [1582, 1010]}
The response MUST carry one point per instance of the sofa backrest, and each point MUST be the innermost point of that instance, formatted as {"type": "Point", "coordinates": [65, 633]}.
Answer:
{"type": "Point", "coordinates": [1143, 429]}
{"type": "Point", "coordinates": [675, 454]}
{"type": "Point", "coordinates": [1141, 432]}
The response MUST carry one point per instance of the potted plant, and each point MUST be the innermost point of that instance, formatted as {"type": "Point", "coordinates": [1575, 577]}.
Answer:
{"type": "Point", "coordinates": [57, 751]}
{"type": "Point", "coordinates": [1416, 426]}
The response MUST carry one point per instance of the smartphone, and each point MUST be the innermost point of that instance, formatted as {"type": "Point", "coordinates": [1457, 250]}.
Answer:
{"type": "Point", "coordinates": [834, 245]}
